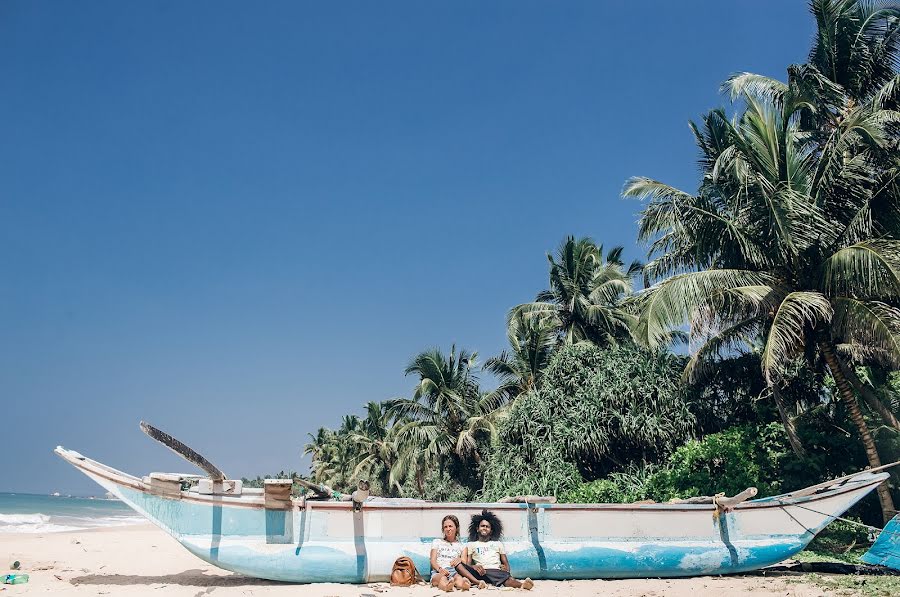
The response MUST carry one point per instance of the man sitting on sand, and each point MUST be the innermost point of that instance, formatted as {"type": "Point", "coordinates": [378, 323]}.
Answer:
{"type": "Point", "coordinates": [487, 562]}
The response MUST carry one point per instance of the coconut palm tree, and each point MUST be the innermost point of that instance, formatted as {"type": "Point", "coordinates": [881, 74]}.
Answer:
{"type": "Point", "coordinates": [856, 44]}
{"type": "Point", "coordinates": [584, 301]}
{"type": "Point", "coordinates": [779, 243]}
{"type": "Point", "coordinates": [335, 454]}
{"type": "Point", "coordinates": [531, 341]}
{"type": "Point", "coordinates": [377, 447]}
{"type": "Point", "coordinates": [318, 448]}
{"type": "Point", "coordinates": [448, 419]}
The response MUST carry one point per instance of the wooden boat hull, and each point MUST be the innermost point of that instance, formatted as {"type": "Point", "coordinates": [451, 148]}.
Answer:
{"type": "Point", "coordinates": [310, 541]}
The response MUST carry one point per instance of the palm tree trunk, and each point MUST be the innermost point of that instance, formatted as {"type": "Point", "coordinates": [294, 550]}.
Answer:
{"type": "Point", "coordinates": [788, 421]}
{"type": "Point", "coordinates": [870, 397]}
{"type": "Point", "coordinates": [846, 394]}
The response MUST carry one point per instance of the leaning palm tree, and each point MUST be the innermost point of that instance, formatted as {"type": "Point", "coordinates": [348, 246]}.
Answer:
{"type": "Point", "coordinates": [584, 301]}
{"type": "Point", "coordinates": [779, 244]}
{"type": "Point", "coordinates": [532, 341]}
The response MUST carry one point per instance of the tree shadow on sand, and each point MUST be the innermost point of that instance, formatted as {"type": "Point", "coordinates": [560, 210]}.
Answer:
{"type": "Point", "coordinates": [188, 578]}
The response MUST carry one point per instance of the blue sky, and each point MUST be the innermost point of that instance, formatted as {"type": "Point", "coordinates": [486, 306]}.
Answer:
{"type": "Point", "coordinates": [240, 221]}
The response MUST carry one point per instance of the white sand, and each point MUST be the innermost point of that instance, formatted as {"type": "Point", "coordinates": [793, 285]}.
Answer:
{"type": "Point", "coordinates": [142, 560]}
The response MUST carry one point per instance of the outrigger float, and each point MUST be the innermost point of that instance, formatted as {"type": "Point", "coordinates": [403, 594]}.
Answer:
{"type": "Point", "coordinates": [266, 533]}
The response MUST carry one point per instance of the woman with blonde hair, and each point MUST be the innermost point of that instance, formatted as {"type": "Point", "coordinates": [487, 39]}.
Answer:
{"type": "Point", "coordinates": [446, 554]}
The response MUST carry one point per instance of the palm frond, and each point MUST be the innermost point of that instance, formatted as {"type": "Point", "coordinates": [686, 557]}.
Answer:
{"type": "Point", "coordinates": [869, 269]}
{"type": "Point", "coordinates": [872, 326]}
{"type": "Point", "coordinates": [671, 303]}
{"type": "Point", "coordinates": [797, 314]}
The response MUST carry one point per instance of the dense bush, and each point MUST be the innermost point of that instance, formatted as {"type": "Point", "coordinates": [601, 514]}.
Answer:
{"type": "Point", "coordinates": [439, 488]}
{"type": "Point", "coordinates": [510, 472]}
{"type": "Point", "coordinates": [595, 412]}
{"type": "Point", "coordinates": [618, 488]}
{"type": "Point", "coordinates": [730, 461]}
{"type": "Point", "coordinates": [605, 408]}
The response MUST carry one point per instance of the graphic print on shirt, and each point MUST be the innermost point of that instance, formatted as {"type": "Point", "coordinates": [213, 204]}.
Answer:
{"type": "Point", "coordinates": [446, 552]}
{"type": "Point", "coordinates": [486, 553]}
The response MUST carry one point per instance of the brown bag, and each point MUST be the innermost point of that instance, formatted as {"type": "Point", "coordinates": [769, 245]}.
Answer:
{"type": "Point", "coordinates": [404, 573]}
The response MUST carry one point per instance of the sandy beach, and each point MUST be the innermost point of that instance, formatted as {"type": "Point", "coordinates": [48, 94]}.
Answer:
{"type": "Point", "coordinates": [140, 560]}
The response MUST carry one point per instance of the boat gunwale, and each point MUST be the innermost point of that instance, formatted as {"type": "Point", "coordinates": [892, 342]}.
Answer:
{"type": "Point", "coordinates": [258, 501]}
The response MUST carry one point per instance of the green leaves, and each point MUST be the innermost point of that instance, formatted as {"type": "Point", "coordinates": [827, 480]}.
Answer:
{"type": "Point", "coordinates": [675, 302]}
{"type": "Point", "coordinates": [797, 316]}
{"type": "Point", "coordinates": [789, 210]}
{"type": "Point", "coordinates": [584, 301]}
{"type": "Point", "coordinates": [869, 269]}
{"type": "Point", "coordinates": [871, 327]}
{"type": "Point", "coordinates": [595, 410]}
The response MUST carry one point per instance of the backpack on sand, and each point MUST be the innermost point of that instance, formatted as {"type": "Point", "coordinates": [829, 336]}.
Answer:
{"type": "Point", "coordinates": [404, 573]}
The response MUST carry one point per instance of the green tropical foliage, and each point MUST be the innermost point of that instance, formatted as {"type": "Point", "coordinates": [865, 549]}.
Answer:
{"type": "Point", "coordinates": [595, 411]}
{"type": "Point", "coordinates": [449, 421]}
{"type": "Point", "coordinates": [783, 242]}
{"type": "Point", "coordinates": [584, 301]}
{"type": "Point", "coordinates": [781, 273]}
{"type": "Point", "coordinates": [532, 341]}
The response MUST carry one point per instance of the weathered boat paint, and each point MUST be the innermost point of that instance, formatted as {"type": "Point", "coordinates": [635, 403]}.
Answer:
{"type": "Point", "coordinates": [330, 542]}
{"type": "Point", "coordinates": [886, 550]}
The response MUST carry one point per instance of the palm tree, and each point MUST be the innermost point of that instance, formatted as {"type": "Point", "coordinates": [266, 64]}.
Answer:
{"type": "Point", "coordinates": [779, 243]}
{"type": "Point", "coordinates": [448, 418]}
{"type": "Point", "coordinates": [335, 454]}
{"type": "Point", "coordinates": [377, 447]}
{"type": "Point", "coordinates": [584, 302]}
{"type": "Point", "coordinates": [531, 340]}
{"type": "Point", "coordinates": [318, 448]}
{"type": "Point", "coordinates": [856, 44]}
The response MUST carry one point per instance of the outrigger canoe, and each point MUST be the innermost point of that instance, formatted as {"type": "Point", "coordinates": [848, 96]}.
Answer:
{"type": "Point", "coordinates": [266, 533]}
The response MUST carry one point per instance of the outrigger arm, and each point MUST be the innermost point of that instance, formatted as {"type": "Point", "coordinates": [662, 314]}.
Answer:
{"type": "Point", "coordinates": [184, 451]}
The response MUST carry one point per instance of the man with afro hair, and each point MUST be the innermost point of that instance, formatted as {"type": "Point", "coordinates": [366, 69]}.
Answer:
{"type": "Point", "coordinates": [487, 562]}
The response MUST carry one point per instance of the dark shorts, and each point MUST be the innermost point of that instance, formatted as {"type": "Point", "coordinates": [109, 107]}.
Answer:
{"type": "Point", "coordinates": [493, 576]}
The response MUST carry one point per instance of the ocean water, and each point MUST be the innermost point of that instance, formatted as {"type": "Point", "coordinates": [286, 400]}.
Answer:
{"type": "Point", "coordinates": [26, 513]}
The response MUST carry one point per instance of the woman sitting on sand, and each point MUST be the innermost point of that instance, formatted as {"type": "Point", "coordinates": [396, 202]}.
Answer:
{"type": "Point", "coordinates": [485, 559]}
{"type": "Point", "coordinates": [446, 555]}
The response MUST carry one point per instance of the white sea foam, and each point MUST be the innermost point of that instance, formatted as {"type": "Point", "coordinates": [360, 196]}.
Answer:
{"type": "Point", "coordinates": [23, 519]}
{"type": "Point", "coordinates": [42, 523]}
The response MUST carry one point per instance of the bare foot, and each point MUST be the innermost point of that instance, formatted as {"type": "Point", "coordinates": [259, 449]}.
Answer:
{"type": "Point", "coordinates": [527, 584]}
{"type": "Point", "coordinates": [482, 584]}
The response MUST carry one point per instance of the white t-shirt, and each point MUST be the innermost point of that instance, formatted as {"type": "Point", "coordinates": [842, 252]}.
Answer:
{"type": "Point", "coordinates": [486, 553]}
{"type": "Point", "coordinates": [446, 551]}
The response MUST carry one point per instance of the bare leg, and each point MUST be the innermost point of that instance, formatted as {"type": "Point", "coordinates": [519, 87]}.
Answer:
{"type": "Point", "coordinates": [526, 584]}
{"type": "Point", "coordinates": [464, 571]}
{"type": "Point", "coordinates": [442, 582]}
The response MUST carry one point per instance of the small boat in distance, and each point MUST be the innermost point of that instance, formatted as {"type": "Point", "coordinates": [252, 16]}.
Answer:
{"type": "Point", "coordinates": [266, 533]}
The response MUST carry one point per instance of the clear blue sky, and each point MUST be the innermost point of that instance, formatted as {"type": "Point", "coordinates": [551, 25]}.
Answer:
{"type": "Point", "coordinates": [239, 221]}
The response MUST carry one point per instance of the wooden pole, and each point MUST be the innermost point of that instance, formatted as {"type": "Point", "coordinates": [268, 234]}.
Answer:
{"type": "Point", "coordinates": [184, 451]}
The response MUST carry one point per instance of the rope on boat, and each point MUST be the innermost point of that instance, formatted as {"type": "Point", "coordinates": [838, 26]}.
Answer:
{"type": "Point", "coordinates": [874, 531]}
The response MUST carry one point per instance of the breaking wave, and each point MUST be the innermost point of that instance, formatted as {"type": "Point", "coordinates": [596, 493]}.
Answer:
{"type": "Point", "coordinates": [42, 523]}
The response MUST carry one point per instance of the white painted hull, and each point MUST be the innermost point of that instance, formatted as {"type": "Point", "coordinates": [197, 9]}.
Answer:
{"type": "Point", "coordinates": [314, 541]}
